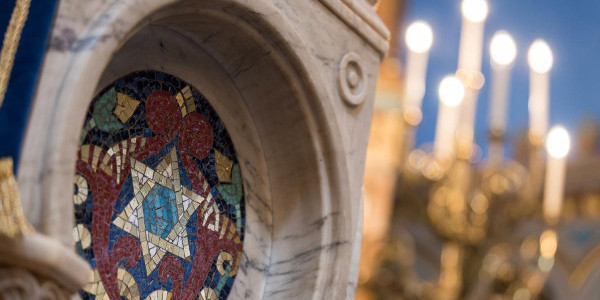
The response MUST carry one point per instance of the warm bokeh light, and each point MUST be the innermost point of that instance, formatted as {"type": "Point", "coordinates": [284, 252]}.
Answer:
{"type": "Point", "coordinates": [548, 243]}
{"type": "Point", "coordinates": [451, 91]}
{"type": "Point", "coordinates": [545, 264]}
{"type": "Point", "coordinates": [558, 142]}
{"type": "Point", "coordinates": [540, 56]}
{"type": "Point", "coordinates": [419, 37]}
{"type": "Point", "coordinates": [503, 48]}
{"type": "Point", "coordinates": [522, 294]}
{"type": "Point", "coordinates": [475, 10]}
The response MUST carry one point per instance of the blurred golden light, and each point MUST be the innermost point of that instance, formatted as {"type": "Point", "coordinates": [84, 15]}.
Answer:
{"type": "Point", "coordinates": [548, 243]}
{"type": "Point", "coordinates": [479, 203]}
{"type": "Point", "coordinates": [503, 48]}
{"type": "Point", "coordinates": [540, 56]}
{"type": "Point", "coordinates": [522, 294]}
{"type": "Point", "coordinates": [545, 264]}
{"type": "Point", "coordinates": [413, 115]}
{"type": "Point", "coordinates": [475, 10]}
{"type": "Point", "coordinates": [451, 91]}
{"type": "Point", "coordinates": [417, 159]}
{"type": "Point", "coordinates": [433, 171]}
{"type": "Point", "coordinates": [558, 142]}
{"type": "Point", "coordinates": [419, 37]}
{"type": "Point", "coordinates": [528, 248]}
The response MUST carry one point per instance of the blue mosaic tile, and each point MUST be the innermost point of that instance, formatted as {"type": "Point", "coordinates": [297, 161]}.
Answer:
{"type": "Point", "coordinates": [159, 202]}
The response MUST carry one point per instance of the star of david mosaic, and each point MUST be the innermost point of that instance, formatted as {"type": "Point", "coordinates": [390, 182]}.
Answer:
{"type": "Point", "coordinates": [158, 197]}
{"type": "Point", "coordinates": [159, 210]}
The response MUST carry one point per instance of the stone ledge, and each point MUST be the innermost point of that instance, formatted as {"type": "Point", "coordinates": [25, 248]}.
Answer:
{"type": "Point", "coordinates": [46, 258]}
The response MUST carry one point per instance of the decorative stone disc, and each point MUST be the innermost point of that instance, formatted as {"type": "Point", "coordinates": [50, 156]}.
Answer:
{"type": "Point", "coordinates": [159, 205]}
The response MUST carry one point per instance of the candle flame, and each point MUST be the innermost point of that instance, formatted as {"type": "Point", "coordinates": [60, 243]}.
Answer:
{"type": "Point", "coordinates": [503, 48]}
{"type": "Point", "coordinates": [558, 142]}
{"type": "Point", "coordinates": [475, 10]}
{"type": "Point", "coordinates": [419, 37]}
{"type": "Point", "coordinates": [451, 91]}
{"type": "Point", "coordinates": [540, 56]}
{"type": "Point", "coordinates": [548, 243]}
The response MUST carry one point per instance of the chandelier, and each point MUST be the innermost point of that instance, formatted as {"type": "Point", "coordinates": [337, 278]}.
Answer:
{"type": "Point", "coordinates": [475, 205]}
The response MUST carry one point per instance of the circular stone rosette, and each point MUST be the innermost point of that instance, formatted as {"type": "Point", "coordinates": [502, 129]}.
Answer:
{"type": "Point", "coordinates": [159, 204]}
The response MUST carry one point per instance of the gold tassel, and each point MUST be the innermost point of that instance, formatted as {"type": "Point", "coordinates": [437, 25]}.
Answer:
{"type": "Point", "coordinates": [11, 43]}
{"type": "Point", "coordinates": [12, 220]}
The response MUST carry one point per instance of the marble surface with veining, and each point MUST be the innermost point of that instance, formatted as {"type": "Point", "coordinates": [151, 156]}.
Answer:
{"type": "Point", "coordinates": [271, 68]}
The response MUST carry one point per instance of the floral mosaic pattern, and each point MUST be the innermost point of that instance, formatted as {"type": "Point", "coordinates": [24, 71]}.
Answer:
{"type": "Point", "coordinates": [159, 206]}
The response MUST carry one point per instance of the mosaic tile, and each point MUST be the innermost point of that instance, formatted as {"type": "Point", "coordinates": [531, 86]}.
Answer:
{"type": "Point", "coordinates": [159, 203]}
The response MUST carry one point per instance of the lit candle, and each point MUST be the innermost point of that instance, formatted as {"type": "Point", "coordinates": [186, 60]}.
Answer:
{"type": "Point", "coordinates": [471, 37]}
{"type": "Point", "coordinates": [558, 144]}
{"type": "Point", "coordinates": [451, 92]}
{"type": "Point", "coordinates": [474, 13]}
{"type": "Point", "coordinates": [503, 52]}
{"type": "Point", "coordinates": [419, 38]}
{"type": "Point", "coordinates": [540, 62]}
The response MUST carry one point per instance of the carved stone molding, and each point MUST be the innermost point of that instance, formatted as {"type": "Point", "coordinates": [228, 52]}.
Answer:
{"type": "Point", "coordinates": [19, 283]}
{"type": "Point", "coordinates": [351, 79]}
{"type": "Point", "coordinates": [361, 17]}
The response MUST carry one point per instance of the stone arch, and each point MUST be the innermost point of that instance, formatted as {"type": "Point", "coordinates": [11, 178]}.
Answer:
{"type": "Point", "coordinates": [268, 91]}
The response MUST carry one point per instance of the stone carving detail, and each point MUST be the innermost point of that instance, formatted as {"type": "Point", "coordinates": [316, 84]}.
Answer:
{"type": "Point", "coordinates": [17, 283]}
{"type": "Point", "coordinates": [351, 79]}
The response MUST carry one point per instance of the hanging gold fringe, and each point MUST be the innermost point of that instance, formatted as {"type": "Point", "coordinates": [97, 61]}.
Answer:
{"type": "Point", "coordinates": [12, 219]}
{"type": "Point", "coordinates": [11, 43]}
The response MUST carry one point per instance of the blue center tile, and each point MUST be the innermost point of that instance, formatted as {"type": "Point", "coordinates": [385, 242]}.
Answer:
{"type": "Point", "coordinates": [160, 212]}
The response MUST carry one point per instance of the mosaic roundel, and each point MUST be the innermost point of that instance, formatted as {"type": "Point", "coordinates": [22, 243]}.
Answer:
{"type": "Point", "coordinates": [159, 205]}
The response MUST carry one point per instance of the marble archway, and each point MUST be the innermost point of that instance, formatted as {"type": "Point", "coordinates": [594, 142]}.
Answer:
{"type": "Point", "coordinates": [295, 93]}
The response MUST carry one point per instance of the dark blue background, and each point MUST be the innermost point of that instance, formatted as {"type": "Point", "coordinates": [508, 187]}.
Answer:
{"type": "Point", "coordinates": [19, 94]}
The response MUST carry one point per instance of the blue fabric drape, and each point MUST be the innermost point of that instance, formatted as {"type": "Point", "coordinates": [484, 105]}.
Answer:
{"type": "Point", "coordinates": [15, 111]}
